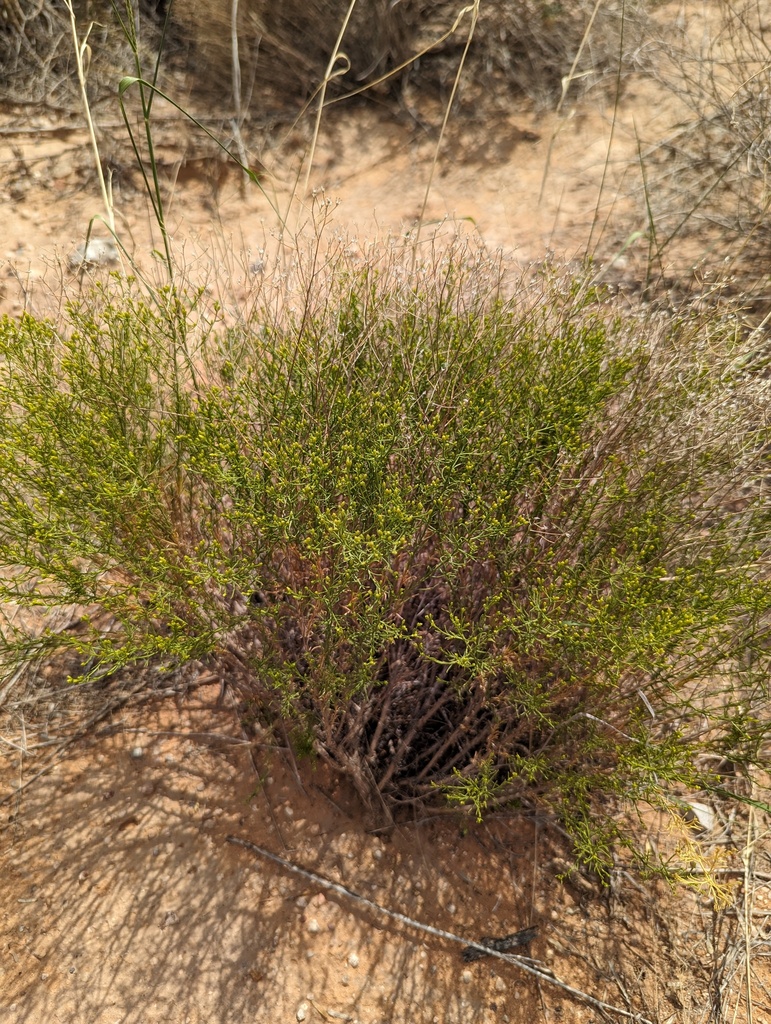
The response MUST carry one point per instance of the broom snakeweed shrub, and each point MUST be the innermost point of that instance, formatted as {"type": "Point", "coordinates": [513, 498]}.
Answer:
{"type": "Point", "coordinates": [455, 544]}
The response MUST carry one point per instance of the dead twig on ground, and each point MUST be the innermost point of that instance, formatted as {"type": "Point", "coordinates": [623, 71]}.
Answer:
{"type": "Point", "coordinates": [525, 964]}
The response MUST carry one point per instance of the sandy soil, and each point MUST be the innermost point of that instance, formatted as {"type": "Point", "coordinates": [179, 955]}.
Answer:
{"type": "Point", "coordinates": [124, 902]}
{"type": "Point", "coordinates": [531, 183]}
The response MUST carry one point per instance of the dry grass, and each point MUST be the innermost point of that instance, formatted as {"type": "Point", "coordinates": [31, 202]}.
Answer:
{"type": "Point", "coordinates": [283, 49]}
{"type": "Point", "coordinates": [708, 179]}
{"type": "Point", "coordinates": [37, 58]}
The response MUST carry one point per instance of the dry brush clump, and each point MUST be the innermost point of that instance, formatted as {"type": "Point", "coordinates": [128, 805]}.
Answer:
{"type": "Point", "coordinates": [460, 546]}
{"type": "Point", "coordinates": [37, 51]}
{"type": "Point", "coordinates": [527, 48]}
{"type": "Point", "coordinates": [283, 49]}
{"type": "Point", "coordinates": [709, 177]}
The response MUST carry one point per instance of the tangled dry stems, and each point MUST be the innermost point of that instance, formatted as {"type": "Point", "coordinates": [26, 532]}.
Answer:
{"type": "Point", "coordinates": [708, 178]}
{"type": "Point", "coordinates": [284, 48]}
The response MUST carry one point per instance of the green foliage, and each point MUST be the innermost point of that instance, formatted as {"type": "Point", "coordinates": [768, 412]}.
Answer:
{"type": "Point", "coordinates": [457, 543]}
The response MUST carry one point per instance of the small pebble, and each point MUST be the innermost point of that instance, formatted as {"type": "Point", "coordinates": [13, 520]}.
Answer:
{"type": "Point", "coordinates": [302, 1011]}
{"type": "Point", "coordinates": [313, 926]}
{"type": "Point", "coordinates": [451, 908]}
{"type": "Point", "coordinates": [377, 853]}
{"type": "Point", "coordinates": [353, 960]}
{"type": "Point", "coordinates": [345, 980]}
{"type": "Point", "coordinates": [137, 752]}
{"type": "Point", "coordinates": [466, 977]}
{"type": "Point", "coordinates": [288, 811]}
{"type": "Point", "coordinates": [301, 902]}
{"type": "Point", "coordinates": [500, 985]}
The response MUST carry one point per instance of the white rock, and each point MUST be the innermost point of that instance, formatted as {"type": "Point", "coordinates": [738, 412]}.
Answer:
{"type": "Point", "coordinates": [137, 752]}
{"type": "Point", "coordinates": [313, 926]}
{"type": "Point", "coordinates": [353, 960]}
{"type": "Point", "coordinates": [500, 985]}
{"type": "Point", "coordinates": [302, 1011]}
{"type": "Point", "coordinates": [466, 977]}
{"type": "Point", "coordinates": [96, 253]}
{"type": "Point", "coordinates": [702, 814]}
